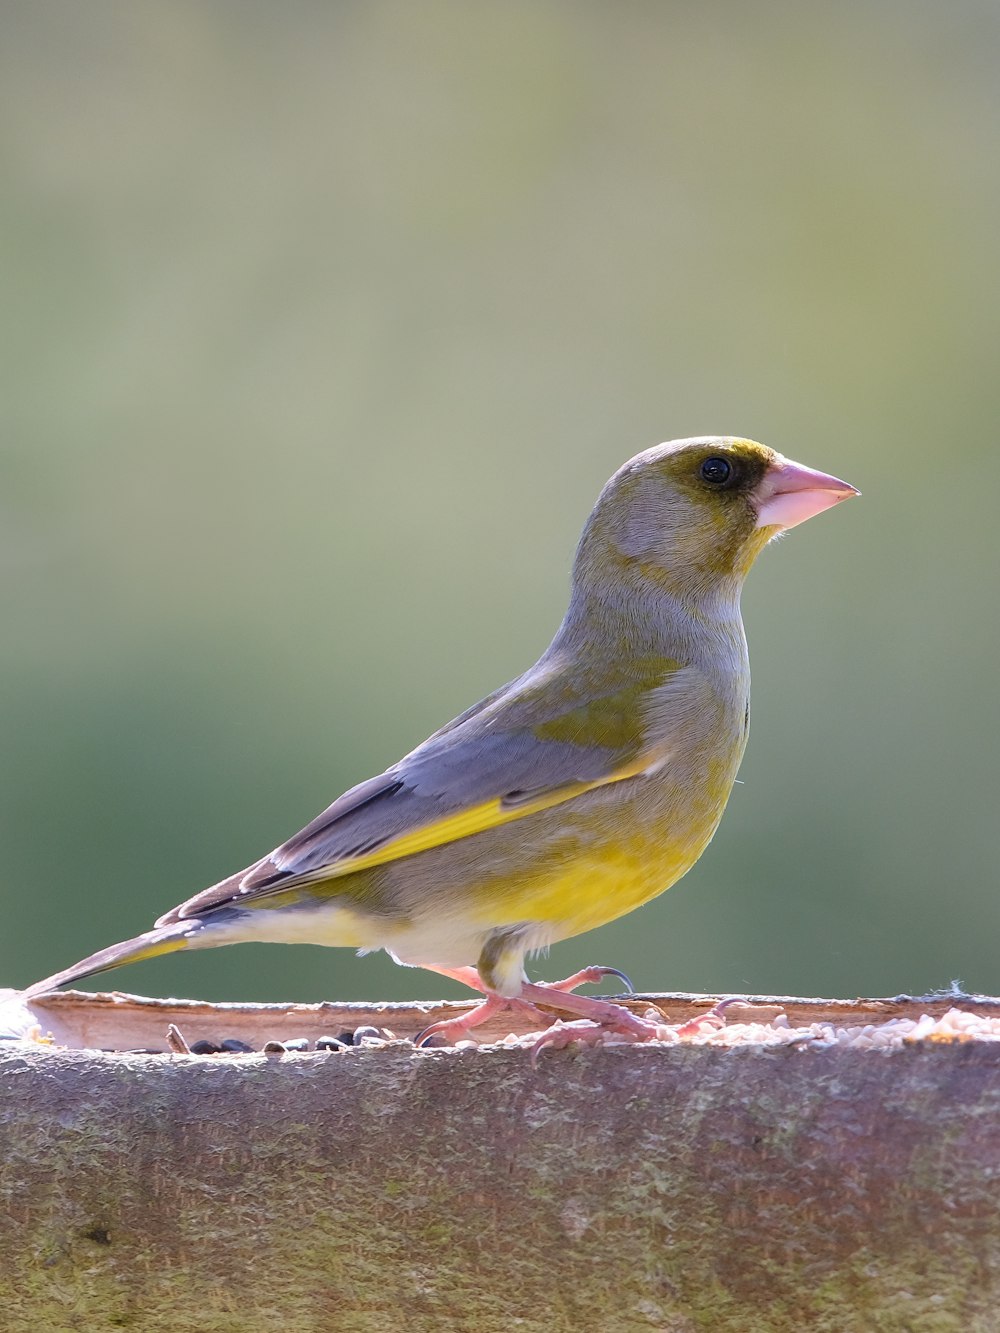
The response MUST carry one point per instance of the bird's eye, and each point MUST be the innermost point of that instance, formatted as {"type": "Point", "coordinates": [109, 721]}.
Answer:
{"type": "Point", "coordinates": [716, 471]}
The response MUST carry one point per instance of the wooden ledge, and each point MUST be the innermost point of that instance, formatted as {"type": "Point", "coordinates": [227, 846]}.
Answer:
{"type": "Point", "coordinates": [759, 1188]}
{"type": "Point", "coordinates": [117, 1021]}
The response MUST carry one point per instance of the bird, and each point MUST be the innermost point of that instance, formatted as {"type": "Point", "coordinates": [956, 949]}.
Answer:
{"type": "Point", "coordinates": [570, 796]}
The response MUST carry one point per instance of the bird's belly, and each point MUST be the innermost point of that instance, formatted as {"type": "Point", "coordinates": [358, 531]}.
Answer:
{"type": "Point", "coordinates": [599, 860]}
{"type": "Point", "coordinates": [593, 888]}
{"type": "Point", "coordinates": [592, 875]}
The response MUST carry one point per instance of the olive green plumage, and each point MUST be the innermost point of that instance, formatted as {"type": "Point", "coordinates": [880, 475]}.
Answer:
{"type": "Point", "coordinates": [576, 792]}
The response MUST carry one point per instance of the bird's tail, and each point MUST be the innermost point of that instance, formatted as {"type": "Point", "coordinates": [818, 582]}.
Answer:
{"type": "Point", "coordinates": [164, 939]}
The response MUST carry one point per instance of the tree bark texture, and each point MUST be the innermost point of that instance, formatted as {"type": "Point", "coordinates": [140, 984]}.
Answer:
{"type": "Point", "coordinates": [375, 1189]}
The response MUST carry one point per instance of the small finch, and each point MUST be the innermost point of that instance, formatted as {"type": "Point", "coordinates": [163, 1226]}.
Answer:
{"type": "Point", "coordinates": [567, 798]}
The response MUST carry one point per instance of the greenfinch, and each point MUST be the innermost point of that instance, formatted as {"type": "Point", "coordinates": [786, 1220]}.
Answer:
{"type": "Point", "coordinates": [568, 797]}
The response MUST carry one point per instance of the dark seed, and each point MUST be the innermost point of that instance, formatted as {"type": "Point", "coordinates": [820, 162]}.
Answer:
{"type": "Point", "coordinates": [235, 1047]}
{"type": "Point", "coordinates": [273, 1048]}
{"type": "Point", "coordinates": [361, 1033]}
{"type": "Point", "coordinates": [346, 1038]}
{"type": "Point", "coordinates": [205, 1048]}
{"type": "Point", "coordinates": [330, 1044]}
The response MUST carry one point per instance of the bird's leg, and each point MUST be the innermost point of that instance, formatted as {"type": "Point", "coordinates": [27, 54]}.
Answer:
{"type": "Point", "coordinates": [554, 996]}
{"type": "Point", "coordinates": [466, 976]}
{"type": "Point", "coordinates": [454, 1029]}
{"type": "Point", "coordinates": [592, 1018]}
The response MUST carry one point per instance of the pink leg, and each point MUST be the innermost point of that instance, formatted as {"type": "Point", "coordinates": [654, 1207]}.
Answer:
{"type": "Point", "coordinates": [454, 1029]}
{"type": "Point", "coordinates": [611, 1017]}
{"type": "Point", "coordinates": [466, 976]}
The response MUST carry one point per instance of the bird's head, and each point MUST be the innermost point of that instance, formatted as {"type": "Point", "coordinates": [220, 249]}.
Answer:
{"type": "Point", "coordinates": [693, 515]}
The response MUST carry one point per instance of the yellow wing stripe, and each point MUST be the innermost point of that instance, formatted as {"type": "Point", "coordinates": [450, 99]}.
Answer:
{"type": "Point", "coordinates": [463, 824]}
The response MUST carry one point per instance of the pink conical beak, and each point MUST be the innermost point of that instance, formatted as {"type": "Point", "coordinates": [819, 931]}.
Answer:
{"type": "Point", "coordinates": [791, 493]}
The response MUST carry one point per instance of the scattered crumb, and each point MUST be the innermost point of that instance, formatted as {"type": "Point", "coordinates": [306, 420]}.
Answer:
{"type": "Point", "coordinates": [956, 1025]}
{"type": "Point", "coordinates": [176, 1041]}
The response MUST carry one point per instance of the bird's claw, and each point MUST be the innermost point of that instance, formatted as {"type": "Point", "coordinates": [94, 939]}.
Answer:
{"type": "Point", "coordinates": [588, 976]}
{"type": "Point", "coordinates": [560, 1035]}
{"type": "Point", "coordinates": [714, 1020]}
{"type": "Point", "coordinates": [459, 1027]}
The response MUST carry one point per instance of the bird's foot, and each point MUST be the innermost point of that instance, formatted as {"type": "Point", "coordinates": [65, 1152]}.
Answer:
{"type": "Point", "coordinates": [450, 1030]}
{"type": "Point", "coordinates": [594, 1030]}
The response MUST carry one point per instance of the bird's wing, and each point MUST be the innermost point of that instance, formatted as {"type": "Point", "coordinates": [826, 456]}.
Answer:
{"type": "Point", "coordinates": [548, 737]}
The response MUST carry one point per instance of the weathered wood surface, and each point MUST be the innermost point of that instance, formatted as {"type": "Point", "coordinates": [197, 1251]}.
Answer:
{"type": "Point", "coordinates": [678, 1188]}
{"type": "Point", "coordinates": [119, 1021]}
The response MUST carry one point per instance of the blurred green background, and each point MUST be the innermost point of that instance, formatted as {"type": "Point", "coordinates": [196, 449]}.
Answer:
{"type": "Point", "coordinates": [324, 323]}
